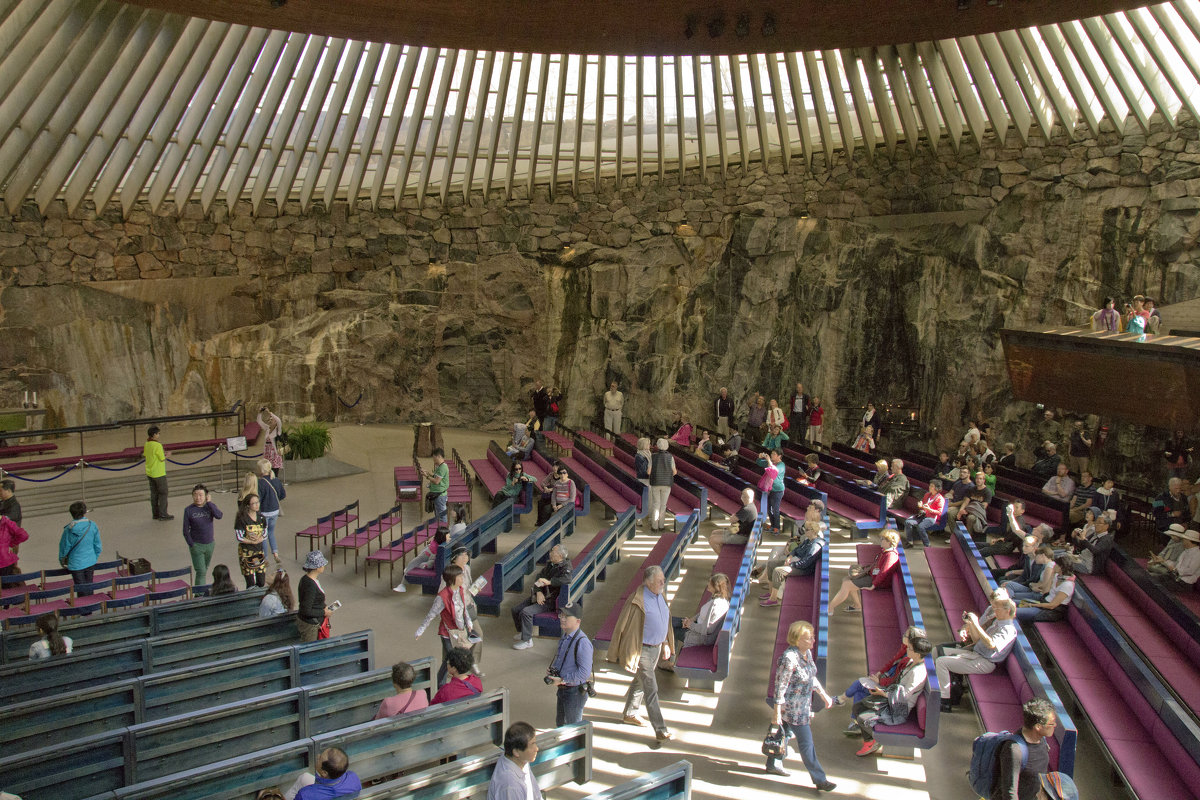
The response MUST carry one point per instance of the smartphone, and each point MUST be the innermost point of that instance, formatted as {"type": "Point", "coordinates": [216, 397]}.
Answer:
{"type": "Point", "coordinates": [335, 605]}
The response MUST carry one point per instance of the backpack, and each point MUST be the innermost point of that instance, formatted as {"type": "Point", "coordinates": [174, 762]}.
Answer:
{"type": "Point", "coordinates": [985, 759]}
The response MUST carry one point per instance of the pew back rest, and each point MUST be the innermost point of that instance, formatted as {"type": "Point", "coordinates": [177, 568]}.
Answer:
{"type": "Point", "coordinates": [136, 623]}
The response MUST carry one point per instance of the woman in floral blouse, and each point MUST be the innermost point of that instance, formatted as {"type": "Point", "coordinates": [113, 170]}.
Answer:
{"type": "Point", "coordinates": [795, 683]}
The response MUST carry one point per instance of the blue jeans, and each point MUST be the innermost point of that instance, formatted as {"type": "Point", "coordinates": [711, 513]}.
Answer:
{"type": "Point", "coordinates": [920, 528]}
{"type": "Point", "coordinates": [1019, 591]}
{"type": "Point", "coordinates": [550, 423]}
{"type": "Point", "coordinates": [270, 520]}
{"type": "Point", "coordinates": [570, 705]}
{"type": "Point", "coordinates": [773, 501]}
{"type": "Point", "coordinates": [856, 692]}
{"type": "Point", "coordinates": [439, 507]}
{"type": "Point", "coordinates": [808, 751]}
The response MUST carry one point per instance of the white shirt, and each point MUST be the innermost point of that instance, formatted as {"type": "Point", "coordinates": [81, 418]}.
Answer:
{"type": "Point", "coordinates": [40, 649]}
{"type": "Point", "coordinates": [1188, 565]}
{"type": "Point", "coordinates": [614, 401]}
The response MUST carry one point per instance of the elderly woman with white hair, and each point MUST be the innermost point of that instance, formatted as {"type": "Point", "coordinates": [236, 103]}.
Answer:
{"type": "Point", "coordinates": [662, 477]}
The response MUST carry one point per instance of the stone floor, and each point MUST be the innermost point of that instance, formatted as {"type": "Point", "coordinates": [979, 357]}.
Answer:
{"type": "Point", "coordinates": [720, 733]}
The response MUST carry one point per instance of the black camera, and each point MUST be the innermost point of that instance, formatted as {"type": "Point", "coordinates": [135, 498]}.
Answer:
{"type": "Point", "coordinates": [551, 674]}
{"type": "Point", "coordinates": [590, 687]}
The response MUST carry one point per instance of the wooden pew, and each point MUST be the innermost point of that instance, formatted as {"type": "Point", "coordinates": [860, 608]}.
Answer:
{"type": "Point", "coordinates": [47, 720]}
{"type": "Point", "coordinates": [169, 618]}
{"type": "Point", "coordinates": [378, 750]}
{"type": "Point", "coordinates": [669, 783]}
{"type": "Point", "coordinates": [115, 662]}
{"type": "Point", "coordinates": [564, 755]}
{"type": "Point", "coordinates": [508, 574]}
{"type": "Point", "coordinates": [588, 567]}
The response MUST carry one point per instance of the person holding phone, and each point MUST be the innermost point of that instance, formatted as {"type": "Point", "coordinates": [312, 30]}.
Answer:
{"type": "Point", "coordinates": [312, 612]}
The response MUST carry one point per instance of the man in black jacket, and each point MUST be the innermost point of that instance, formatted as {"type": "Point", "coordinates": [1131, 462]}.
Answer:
{"type": "Point", "coordinates": [724, 409]}
{"type": "Point", "coordinates": [544, 597]}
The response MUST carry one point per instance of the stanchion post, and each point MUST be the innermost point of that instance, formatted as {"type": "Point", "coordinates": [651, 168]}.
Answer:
{"type": "Point", "coordinates": [82, 481]}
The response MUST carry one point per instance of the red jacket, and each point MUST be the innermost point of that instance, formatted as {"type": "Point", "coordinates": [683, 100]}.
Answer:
{"type": "Point", "coordinates": [882, 570]}
{"type": "Point", "coordinates": [457, 689]}
{"type": "Point", "coordinates": [11, 535]}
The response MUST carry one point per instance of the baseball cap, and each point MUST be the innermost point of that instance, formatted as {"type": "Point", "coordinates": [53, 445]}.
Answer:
{"type": "Point", "coordinates": [571, 610]}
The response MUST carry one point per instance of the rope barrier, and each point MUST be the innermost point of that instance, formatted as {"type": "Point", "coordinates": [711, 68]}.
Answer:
{"type": "Point", "coordinates": [215, 450]}
{"type": "Point", "coordinates": [115, 469]}
{"type": "Point", "coordinates": [350, 405]}
{"type": "Point", "coordinates": [40, 480]}
{"type": "Point", "coordinates": [239, 455]}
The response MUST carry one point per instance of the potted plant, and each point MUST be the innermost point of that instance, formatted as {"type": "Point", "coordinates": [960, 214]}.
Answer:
{"type": "Point", "coordinates": [305, 446]}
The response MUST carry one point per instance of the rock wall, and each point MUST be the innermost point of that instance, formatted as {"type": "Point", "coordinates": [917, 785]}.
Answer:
{"type": "Point", "coordinates": [883, 279]}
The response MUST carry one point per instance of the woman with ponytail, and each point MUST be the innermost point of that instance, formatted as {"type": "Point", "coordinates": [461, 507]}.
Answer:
{"type": "Point", "coordinates": [52, 642]}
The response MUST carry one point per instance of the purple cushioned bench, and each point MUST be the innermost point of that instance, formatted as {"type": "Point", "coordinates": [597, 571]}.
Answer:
{"type": "Point", "coordinates": [587, 567]}
{"type": "Point", "coordinates": [887, 613]}
{"type": "Point", "coordinates": [703, 666]}
{"type": "Point", "coordinates": [606, 488]}
{"type": "Point", "coordinates": [539, 467]}
{"type": "Point", "coordinates": [805, 597]}
{"type": "Point", "coordinates": [1138, 738]}
{"type": "Point", "coordinates": [721, 494]}
{"type": "Point", "coordinates": [963, 583]}
{"type": "Point", "coordinates": [680, 502]}
{"type": "Point", "coordinates": [668, 554]}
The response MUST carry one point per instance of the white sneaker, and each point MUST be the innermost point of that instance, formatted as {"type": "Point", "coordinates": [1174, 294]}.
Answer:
{"type": "Point", "coordinates": [399, 587]}
{"type": "Point", "coordinates": [523, 645]}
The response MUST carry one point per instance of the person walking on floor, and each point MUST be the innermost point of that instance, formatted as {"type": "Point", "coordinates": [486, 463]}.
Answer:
{"type": "Point", "coordinates": [795, 684]}
{"type": "Point", "coordinates": [156, 473]}
{"type": "Point", "coordinates": [79, 548]}
{"type": "Point", "coordinates": [642, 636]}
{"type": "Point", "coordinates": [198, 532]}
{"type": "Point", "coordinates": [662, 477]}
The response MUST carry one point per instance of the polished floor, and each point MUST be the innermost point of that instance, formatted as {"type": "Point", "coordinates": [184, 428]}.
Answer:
{"type": "Point", "coordinates": [719, 733]}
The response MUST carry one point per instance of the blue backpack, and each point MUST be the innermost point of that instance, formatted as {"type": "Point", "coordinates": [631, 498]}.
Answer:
{"type": "Point", "coordinates": [985, 759]}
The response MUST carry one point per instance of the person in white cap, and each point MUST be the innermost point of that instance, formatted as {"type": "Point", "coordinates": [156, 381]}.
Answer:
{"type": "Point", "coordinates": [1158, 561]}
{"type": "Point", "coordinates": [1185, 570]}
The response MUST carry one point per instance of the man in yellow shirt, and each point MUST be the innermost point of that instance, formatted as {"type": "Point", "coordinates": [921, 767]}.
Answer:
{"type": "Point", "coordinates": [156, 473]}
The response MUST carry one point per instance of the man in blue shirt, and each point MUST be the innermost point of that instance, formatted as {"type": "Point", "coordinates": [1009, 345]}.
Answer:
{"type": "Point", "coordinates": [641, 638]}
{"type": "Point", "coordinates": [572, 666]}
{"type": "Point", "coordinates": [334, 777]}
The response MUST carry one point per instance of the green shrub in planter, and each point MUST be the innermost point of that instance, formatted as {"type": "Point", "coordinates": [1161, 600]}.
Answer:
{"type": "Point", "coordinates": [308, 440]}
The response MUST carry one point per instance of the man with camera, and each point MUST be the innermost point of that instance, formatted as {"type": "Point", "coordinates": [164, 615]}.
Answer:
{"type": "Point", "coordinates": [571, 670]}
{"type": "Point", "coordinates": [984, 641]}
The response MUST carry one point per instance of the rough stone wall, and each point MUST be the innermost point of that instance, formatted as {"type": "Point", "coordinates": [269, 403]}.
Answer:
{"type": "Point", "coordinates": [885, 279]}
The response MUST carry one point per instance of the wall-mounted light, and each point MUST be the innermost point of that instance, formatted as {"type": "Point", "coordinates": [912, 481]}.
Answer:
{"type": "Point", "coordinates": [716, 26]}
{"type": "Point", "coordinates": [768, 26]}
{"type": "Point", "coordinates": [742, 27]}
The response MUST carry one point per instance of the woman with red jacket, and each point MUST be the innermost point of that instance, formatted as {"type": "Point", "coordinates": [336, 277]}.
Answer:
{"type": "Point", "coordinates": [450, 609]}
{"type": "Point", "coordinates": [877, 575]}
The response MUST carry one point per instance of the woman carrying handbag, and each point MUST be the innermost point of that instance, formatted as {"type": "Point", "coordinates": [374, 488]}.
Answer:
{"type": "Point", "coordinates": [455, 627]}
{"type": "Point", "coordinates": [795, 685]}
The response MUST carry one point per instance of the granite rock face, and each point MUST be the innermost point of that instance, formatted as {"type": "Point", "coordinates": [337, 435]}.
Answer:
{"type": "Point", "coordinates": [884, 280]}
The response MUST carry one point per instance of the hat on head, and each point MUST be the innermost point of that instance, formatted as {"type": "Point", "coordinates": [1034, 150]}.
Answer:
{"type": "Point", "coordinates": [1175, 529]}
{"type": "Point", "coordinates": [458, 551]}
{"type": "Point", "coordinates": [315, 560]}
{"type": "Point", "coordinates": [1058, 786]}
{"type": "Point", "coordinates": [1191, 536]}
{"type": "Point", "coordinates": [571, 610]}
{"type": "Point", "coordinates": [1096, 511]}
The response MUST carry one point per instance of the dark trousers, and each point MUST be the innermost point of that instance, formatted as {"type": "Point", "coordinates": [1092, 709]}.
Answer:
{"type": "Point", "coordinates": [81, 576]}
{"type": "Point", "coordinates": [523, 613]}
{"type": "Point", "coordinates": [571, 700]}
{"type": "Point", "coordinates": [797, 427]}
{"type": "Point", "coordinates": [158, 496]}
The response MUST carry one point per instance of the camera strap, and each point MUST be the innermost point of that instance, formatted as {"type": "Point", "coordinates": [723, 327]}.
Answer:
{"type": "Point", "coordinates": [574, 654]}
